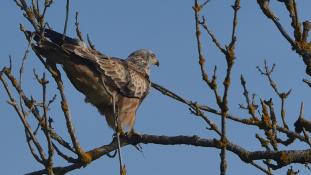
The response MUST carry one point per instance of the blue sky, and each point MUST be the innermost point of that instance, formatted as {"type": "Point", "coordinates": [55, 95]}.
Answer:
{"type": "Point", "coordinates": [167, 27]}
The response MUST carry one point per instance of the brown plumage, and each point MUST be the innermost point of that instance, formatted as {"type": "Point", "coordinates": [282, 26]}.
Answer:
{"type": "Point", "coordinates": [99, 77]}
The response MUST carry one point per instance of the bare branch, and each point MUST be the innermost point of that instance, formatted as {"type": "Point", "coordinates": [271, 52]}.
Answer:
{"type": "Point", "coordinates": [21, 116]}
{"type": "Point", "coordinates": [282, 95]}
{"type": "Point", "coordinates": [283, 158]}
{"type": "Point", "coordinates": [264, 5]}
{"type": "Point", "coordinates": [211, 34]}
{"type": "Point", "coordinates": [79, 34]}
{"type": "Point", "coordinates": [90, 42]}
{"type": "Point", "coordinates": [30, 105]}
{"type": "Point", "coordinates": [66, 19]}
{"type": "Point", "coordinates": [251, 108]}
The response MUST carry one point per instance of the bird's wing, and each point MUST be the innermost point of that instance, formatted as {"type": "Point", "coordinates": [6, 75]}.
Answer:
{"type": "Point", "coordinates": [129, 82]}
{"type": "Point", "coordinates": [116, 73]}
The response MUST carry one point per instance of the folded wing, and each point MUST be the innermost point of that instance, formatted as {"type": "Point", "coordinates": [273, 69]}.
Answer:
{"type": "Point", "coordinates": [116, 74]}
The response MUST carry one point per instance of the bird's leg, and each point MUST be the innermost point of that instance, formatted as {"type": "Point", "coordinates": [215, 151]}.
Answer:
{"type": "Point", "coordinates": [118, 130]}
{"type": "Point", "coordinates": [131, 133]}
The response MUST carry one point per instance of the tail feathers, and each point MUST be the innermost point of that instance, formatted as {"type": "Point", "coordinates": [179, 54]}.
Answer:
{"type": "Point", "coordinates": [55, 37]}
{"type": "Point", "coordinates": [59, 38]}
{"type": "Point", "coordinates": [51, 52]}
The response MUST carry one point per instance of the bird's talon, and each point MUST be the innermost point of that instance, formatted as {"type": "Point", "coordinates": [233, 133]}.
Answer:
{"type": "Point", "coordinates": [120, 132]}
{"type": "Point", "coordinates": [132, 133]}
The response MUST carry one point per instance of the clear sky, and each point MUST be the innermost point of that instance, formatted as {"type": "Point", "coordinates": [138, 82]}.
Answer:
{"type": "Point", "coordinates": [166, 27]}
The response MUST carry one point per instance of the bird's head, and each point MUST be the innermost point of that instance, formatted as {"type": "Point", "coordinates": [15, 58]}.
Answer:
{"type": "Point", "coordinates": [143, 58]}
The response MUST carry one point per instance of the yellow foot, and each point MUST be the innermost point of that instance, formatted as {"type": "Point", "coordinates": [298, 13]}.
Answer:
{"type": "Point", "coordinates": [132, 134]}
{"type": "Point", "coordinates": [85, 158]}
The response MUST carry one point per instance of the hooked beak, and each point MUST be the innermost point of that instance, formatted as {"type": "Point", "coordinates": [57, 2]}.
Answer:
{"type": "Point", "coordinates": [157, 63]}
{"type": "Point", "coordinates": [154, 60]}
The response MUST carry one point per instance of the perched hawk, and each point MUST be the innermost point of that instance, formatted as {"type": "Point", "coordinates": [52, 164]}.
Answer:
{"type": "Point", "coordinates": [102, 79]}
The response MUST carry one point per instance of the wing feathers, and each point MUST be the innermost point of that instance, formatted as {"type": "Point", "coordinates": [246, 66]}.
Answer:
{"type": "Point", "coordinates": [116, 73]}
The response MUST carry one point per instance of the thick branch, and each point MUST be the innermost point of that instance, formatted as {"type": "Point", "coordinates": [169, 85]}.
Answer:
{"type": "Point", "coordinates": [283, 158]}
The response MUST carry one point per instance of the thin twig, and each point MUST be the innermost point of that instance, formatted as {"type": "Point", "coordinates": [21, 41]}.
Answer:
{"type": "Point", "coordinates": [64, 156]}
{"type": "Point", "coordinates": [79, 34]}
{"type": "Point", "coordinates": [197, 9]}
{"type": "Point", "coordinates": [66, 19]}
{"type": "Point", "coordinates": [260, 168]}
{"type": "Point", "coordinates": [212, 35]}
{"type": "Point", "coordinates": [23, 119]}
{"type": "Point", "coordinates": [282, 95]}
{"type": "Point", "coordinates": [21, 70]}
{"type": "Point", "coordinates": [264, 5]}
{"type": "Point", "coordinates": [90, 42]}
{"type": "Point", "coordinates": [32, 149]}
{"type": "Point", "coordinates": [49, 164]}
{"type": "Point", "coordinates": [250, 106]}
{"type": "Point", "coordinates": [30, 105]}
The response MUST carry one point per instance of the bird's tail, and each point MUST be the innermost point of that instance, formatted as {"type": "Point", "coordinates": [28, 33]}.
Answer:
{"type": "Point", "coordinates": [54, 37]}
{"type": "Point", "coordinates": [60, 39]}
{"type": "Point", "coordinates": [49, 44]}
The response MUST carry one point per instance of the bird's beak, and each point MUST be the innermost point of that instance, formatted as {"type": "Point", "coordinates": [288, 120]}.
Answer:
{"type": "Point", "coordinates": [157, 63]}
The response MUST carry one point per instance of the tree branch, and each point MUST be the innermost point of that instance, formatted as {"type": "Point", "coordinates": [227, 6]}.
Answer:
{"type": "Point", "coordinates": [282, 158]}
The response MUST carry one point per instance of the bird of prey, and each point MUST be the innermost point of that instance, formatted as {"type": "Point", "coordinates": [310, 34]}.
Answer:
{"type": "Point", "coordinates": [106, 82]}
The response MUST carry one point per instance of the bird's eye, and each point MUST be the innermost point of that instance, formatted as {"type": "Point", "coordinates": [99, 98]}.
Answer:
{"type": "Point", "coordinates": [153, 55]}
